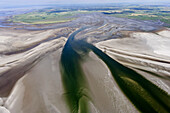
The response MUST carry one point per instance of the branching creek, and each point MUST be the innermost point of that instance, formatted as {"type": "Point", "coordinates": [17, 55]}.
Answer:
{"type": "Point", "coordinates": [144, 95]}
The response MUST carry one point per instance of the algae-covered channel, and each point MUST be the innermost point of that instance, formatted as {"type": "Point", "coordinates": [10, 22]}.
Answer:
{"type": "Point", "coordinates": [145, 96]}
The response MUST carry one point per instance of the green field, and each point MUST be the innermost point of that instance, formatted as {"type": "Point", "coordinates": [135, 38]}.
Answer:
{"type": "Point", "coordinates": [143, 13]}
{"type": "Point", "coordinates": [52, 15]}
{"type": "Point", "coordinates": [45, 17]}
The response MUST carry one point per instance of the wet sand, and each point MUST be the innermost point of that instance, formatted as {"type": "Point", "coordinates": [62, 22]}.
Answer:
{"type": "Point", "coordinates": [143, 52]}
{"type": "Point", "coordinates": [31, 82]}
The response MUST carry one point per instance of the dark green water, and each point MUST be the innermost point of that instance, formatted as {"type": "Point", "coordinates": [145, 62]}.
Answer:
{"type": "Point", "coordinates": [73, 78]}
{"type": "Point", "coordinates": [147, 97]}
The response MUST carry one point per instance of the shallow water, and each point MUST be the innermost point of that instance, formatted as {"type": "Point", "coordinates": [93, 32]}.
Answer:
{"type": "Point", "coordinates": [146, 96]}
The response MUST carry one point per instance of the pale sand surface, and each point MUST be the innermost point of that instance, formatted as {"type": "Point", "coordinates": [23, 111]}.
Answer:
{"type": "Point", "coordinates": [41, 89]}
{"type": "Point", "coordinates": [143, 50]}
{"type": "Point", "coordinates": [29, 94]}
{"type": "Point", "coordinates": [159, 43]}
{"type": "Point", "coordinates": [106, 95]}
{"type": "Point", "coordinates": [165, 33]}
{"type": "Point", "coordinates": [38, 85]}
{"type": "Point", "coordinates": [16, 66]}
{"type": "Point", "coordinates": [18, 40]}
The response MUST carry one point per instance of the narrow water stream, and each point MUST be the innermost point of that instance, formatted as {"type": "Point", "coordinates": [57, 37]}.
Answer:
{"type": "Point", "coordinates": [146, 96]}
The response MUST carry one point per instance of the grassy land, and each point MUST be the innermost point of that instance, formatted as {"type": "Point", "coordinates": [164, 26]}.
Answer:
{"type": "Point", "coordinates": [45, 17]}
{"type": "Point", "coordinates": [143, 13]}
{"type": "Point", "coordinates": [52, 15]}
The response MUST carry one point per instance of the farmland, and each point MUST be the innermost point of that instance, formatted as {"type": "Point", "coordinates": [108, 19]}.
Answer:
{"type": "Point", "coordinates": [54, 15]}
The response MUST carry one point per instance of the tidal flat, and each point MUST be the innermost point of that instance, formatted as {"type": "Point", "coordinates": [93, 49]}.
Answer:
{"type": "Point", "coordinates": [90, 62]}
